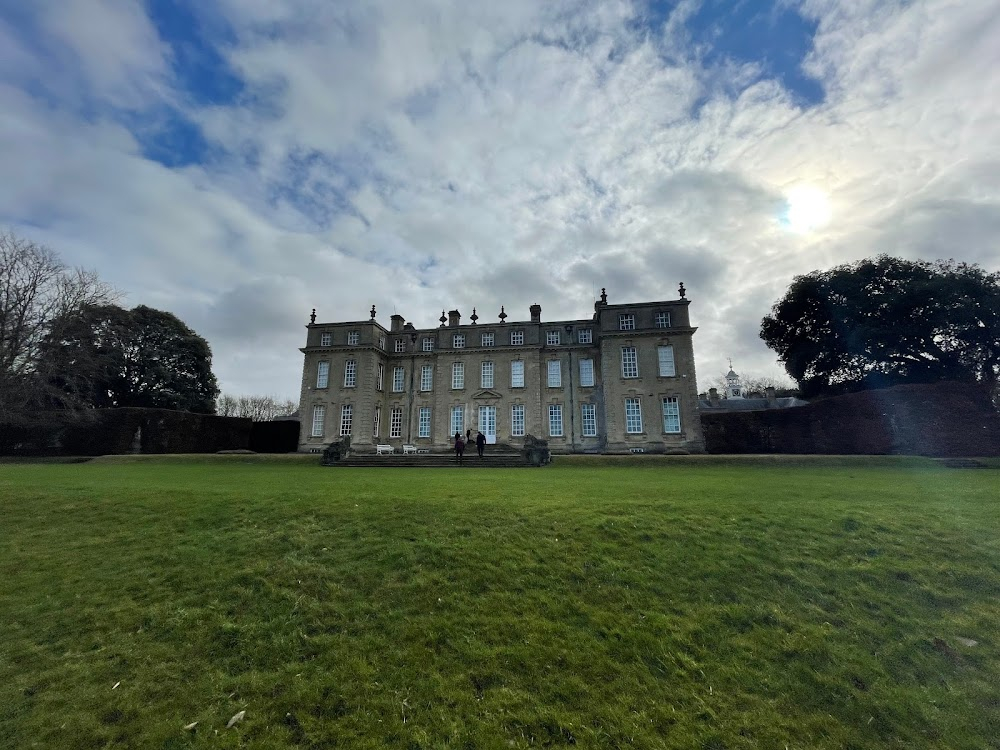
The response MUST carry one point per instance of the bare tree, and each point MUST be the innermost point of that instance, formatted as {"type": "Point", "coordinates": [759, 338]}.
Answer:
{"type": "Point", "coordinates": [257, 408]}
{"type": "Point", "coordinates": [226, 405]}
{"type": "Point", "coordinates": [37, 291]}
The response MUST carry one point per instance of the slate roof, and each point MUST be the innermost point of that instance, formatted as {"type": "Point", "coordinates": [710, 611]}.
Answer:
{"type": "Point", "coordinates": [750, 404]}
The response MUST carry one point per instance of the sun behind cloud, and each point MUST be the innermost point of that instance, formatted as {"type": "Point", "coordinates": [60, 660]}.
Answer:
{"type": "Point", "coordinates": [807, 208]}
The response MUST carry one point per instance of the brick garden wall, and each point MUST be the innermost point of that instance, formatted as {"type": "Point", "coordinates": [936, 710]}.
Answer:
{"type": "Point", "coordinates": [943, 419]}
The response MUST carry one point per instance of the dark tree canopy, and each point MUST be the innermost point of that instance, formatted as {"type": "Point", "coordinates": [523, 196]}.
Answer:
{"type": "Point", "coordinates": [107, 356]}
{"type": "Point", "coordinates": [884, 321]}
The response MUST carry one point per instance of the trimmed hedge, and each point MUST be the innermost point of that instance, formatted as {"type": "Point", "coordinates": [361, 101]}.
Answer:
{"type": "Point", "coordinates": [941, 419]}
{"type": "Point", "coordinates": [126, 430]}
{"type": "Point", "coordinates": [275, 437]}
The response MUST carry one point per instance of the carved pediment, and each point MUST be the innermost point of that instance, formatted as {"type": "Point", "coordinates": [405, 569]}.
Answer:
{"type": "Point", "coordinates": [486, 394]}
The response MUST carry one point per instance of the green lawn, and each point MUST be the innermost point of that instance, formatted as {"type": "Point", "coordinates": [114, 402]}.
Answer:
{"type": "Point", "coordinates": [648, 604]}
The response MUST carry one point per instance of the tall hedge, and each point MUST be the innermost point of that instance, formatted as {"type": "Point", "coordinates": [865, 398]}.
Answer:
{"type": "Point", "coordinates": [126, 430]}
{"type": "Point", "coordinates": [942, 419]}
{"type": "Point", "coordinates": [281, 436]}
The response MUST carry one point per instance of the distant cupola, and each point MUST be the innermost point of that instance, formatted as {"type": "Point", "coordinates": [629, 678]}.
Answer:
{"type": "Point", "coordinates": [734, 389]}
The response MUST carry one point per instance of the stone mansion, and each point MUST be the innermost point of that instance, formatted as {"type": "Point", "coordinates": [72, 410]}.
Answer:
{"type": "Point", "coordinates": [621, 381]}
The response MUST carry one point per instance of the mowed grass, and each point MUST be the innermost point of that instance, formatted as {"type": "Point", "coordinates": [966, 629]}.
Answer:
{"type": "Point", "coordinates": [647, 604]}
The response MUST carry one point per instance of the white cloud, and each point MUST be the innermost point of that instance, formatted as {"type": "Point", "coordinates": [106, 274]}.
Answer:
{"type": "Point", "coordinates": [108, 49]}
{"type": "Point", "coordinates": [420, 156]}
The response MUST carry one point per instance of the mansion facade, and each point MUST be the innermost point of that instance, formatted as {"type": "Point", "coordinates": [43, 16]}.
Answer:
{"type": "Point", "coordinates": [621, 381]}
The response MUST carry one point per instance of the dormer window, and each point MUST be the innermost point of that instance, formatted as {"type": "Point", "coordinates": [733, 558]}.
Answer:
{"type": "Point", "coordinates": [353, 337]}
{"type": "Point", "coordinates": [626, 322]}
{"type": "Point", "coordinates": [552, 338]}
{"type": "Point", "coordinates": [428, 344]}
{"type": "Point", "coordinates": [487, 339]}
{"type": "Point", "coordinates": [399, 346]}
{"type": "Point", "coordinates": [325, 339]}
{"type": "Point", "coordinates": [458, 341]}
{"type": "Point", "coordinates": [662, 320]}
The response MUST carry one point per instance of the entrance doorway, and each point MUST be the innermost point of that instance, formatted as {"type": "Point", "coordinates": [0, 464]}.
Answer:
{"type": "Point", "coordinates": [488, 423]}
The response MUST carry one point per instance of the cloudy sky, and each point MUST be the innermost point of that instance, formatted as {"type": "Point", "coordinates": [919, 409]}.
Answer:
{"type": "Point", "coordinates": [239, 162]}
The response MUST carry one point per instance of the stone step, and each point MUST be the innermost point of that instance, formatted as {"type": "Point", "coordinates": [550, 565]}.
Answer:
{"type": "Point", "coordinates": [432, 460]}
{"type": "Point", "coordinates": [467, 465]}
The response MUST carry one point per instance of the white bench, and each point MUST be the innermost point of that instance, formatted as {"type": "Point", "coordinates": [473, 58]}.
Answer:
{"type": "Point", "coordinates": [409, 449]}
{"type": "Point", "coordinates": [380, 449]}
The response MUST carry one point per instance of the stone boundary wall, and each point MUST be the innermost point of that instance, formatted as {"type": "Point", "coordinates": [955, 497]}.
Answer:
{"type": "Point", "coordinates": [941, 419]}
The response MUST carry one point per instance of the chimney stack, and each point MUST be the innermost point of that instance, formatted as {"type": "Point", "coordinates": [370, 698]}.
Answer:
{"type": "Point", "coordinates": [397, 323]}
{"type": "Point", "coordinates": [536, 313]}
{"type": "Point", "coordinates": [772, 400]}
{"type": "Point", "coordinates": [454, 318]}
{"type": "Point", "coordinates": [713, 396]}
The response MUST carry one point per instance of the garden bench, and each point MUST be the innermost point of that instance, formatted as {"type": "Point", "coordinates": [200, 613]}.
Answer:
{"type": "Point", "coordinates": [409, 449]}
{"type": "Point", "coordinates": [380, 449]}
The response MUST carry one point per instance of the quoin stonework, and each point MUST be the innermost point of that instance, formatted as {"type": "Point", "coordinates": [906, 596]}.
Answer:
{"type": "Point", "coordinates": [620, 381]}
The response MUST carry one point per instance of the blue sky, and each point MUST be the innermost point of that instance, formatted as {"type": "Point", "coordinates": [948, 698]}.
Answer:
{"type": "Point", "coordinates": [240, 162]}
